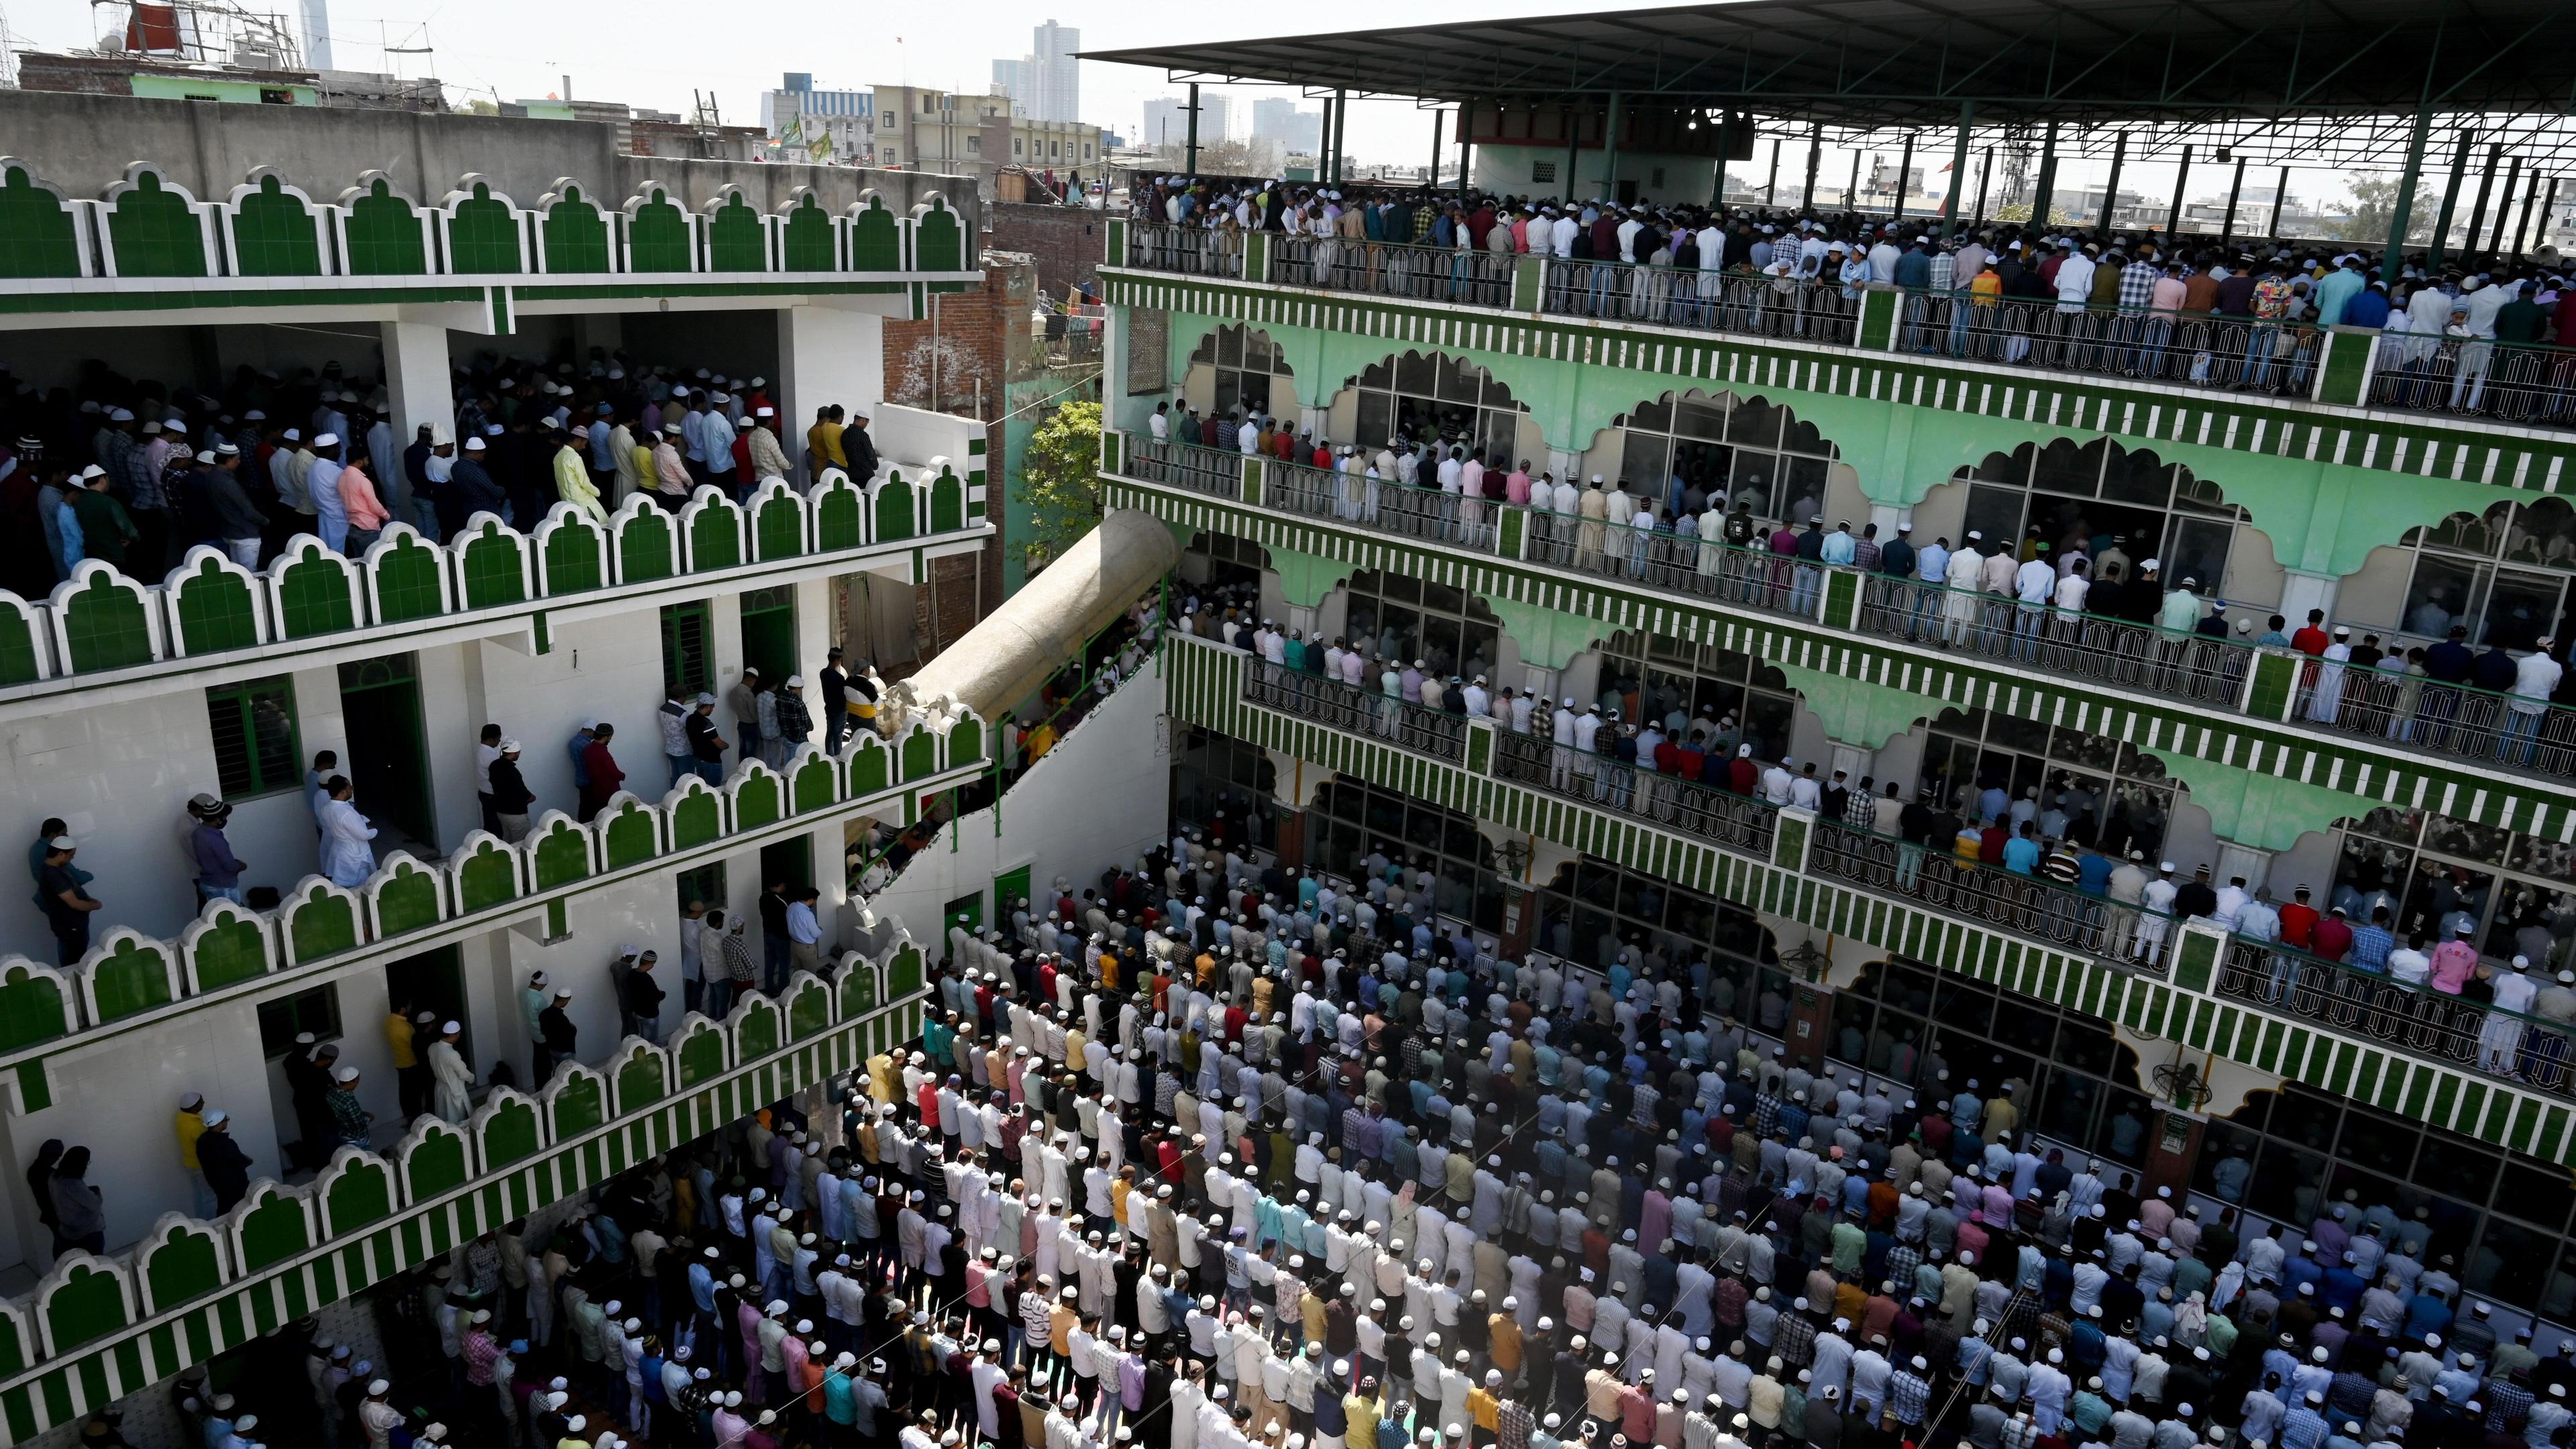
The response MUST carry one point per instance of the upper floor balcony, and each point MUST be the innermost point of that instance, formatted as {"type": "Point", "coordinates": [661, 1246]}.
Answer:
{"type": "Point", "coordinates": [2396, 733]}
{"type": "Point", "coordinates": [2297, 365]}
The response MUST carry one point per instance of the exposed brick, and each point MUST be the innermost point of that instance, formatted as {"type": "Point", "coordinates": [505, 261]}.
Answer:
{"type": "Point", "coordinates": [1066, 240]}
{"type": "Point", "coordinates": [958, 361]}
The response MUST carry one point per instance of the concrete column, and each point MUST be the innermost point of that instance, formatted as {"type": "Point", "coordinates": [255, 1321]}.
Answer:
{"type": "Point", "coordinates": [2175, 1153]}
{"type": "Point", "coordinates": [416, 373]}
{"type": "Point", "coordinates": [2302, 591]}
{"type": "Point", "coordinates": [826, 355]}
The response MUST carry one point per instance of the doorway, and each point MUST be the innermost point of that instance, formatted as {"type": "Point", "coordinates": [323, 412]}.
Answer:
{"type": "Point", "coordinates": [790, 860]}
{"type": "Point", "coordinates": [1009, 889]}
{"type": "Point", "coordinates": [389, 747]}
{"type": "Point", "coordinates": [769, 632]}
{"type": "Point", "coordinates": [434, 981]}
{"type": "Point", "coordinates": [967, 911]}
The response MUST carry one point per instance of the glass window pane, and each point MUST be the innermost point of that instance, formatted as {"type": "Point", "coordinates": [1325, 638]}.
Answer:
{"type": "Point", "coordinates": [2521, 609]}
{"type": "Point", "coordinates": [1994, 511]}
{"type": "Point", "coordinates": [2443, 593]}
{"type": "Point", "coordinates": [2066, 466]}
{"type": "Point", "coordinates": [1416, 375]}
{"type": "Point", "coordinates": [1699, 417]}
{"type": "Point", "coordinates": [1755, 424]}
{"type": "Point", "coordinates": [1643, 459]}
{"type": "Point", "coordinates": [2141, 478]}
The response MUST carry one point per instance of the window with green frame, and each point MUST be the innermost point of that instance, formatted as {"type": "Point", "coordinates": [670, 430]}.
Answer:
{"type": "Point", "coordinates": [282, 1018]}
{"type": "Point", "coordinates": [254, 733]}
{"type": "Point", "coordinates": [687, 661]}
{"type": "Point", "coordinates": [704, 884]}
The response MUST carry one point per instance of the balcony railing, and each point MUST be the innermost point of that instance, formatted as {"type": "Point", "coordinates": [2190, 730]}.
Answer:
{"type": "Point", "coordinates": [1393, 269]}
{"type": "Point", "coordinates": [1343, 706]}
{"type": "Point", "coordinates": [2515, 382]}
{"type": "Point", "coordinates": [1192, 251]}
{"type": "Point", "coordinates": [1753, 306]}
{"type": "Point", "coordinates": [2198, 350]}
{"type": "Point", "coordinates": [2352, 1000]}
{"type": "Point", "coordinates": [2451, 719]}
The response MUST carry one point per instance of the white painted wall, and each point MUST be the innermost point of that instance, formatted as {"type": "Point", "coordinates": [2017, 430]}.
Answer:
{"type": "Point", "coordinates": [826, 355]}
{"type": "Point", "coordinates": [1100, 798]}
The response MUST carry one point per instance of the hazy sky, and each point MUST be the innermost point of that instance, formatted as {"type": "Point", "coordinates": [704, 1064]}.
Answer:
{"type": "Point", "coordinates": [657, 53]}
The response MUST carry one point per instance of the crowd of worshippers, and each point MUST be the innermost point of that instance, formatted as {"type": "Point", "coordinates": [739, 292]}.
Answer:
{"type": "Point", "coordinates": [134, 471]}
{"type": "Point", "coordinates": [1221, 1154]}
{"type": "Point", "coordinates": [2481, 295]}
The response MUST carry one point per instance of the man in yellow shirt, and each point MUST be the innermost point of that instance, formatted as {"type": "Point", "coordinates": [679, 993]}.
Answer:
{"type": "Point", "coordinates": [823, 442]}
{"type": "Point", "coordinates": [411, 1079]}
{"type": "Point", "coordinates": [190, 1124]}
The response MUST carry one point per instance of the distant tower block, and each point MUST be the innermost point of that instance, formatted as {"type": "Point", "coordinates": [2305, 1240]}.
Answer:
{"type": "Point", "coordinates": [317, 34]}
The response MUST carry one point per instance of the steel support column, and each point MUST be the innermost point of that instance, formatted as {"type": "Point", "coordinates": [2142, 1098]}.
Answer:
{"type": "Point", "coordinates": [2182, 175]}
{"type": "Point", "coordinates": [1815, 158]}
{"type": "Point", "coordinates": [1904, 163]}
{"type": "Point", "coordinates": [2235, 189]}
{"type": "Point", "coordinates": [1190, 161]}
{"type": "Point", "coordinates": [2450, 201]}
{"type": "Point", "coordinates": [2046, 186]}
{"type": "Point", "coordinates": [2478, 209]}
{"type": "Point", "coordinates": [2401, 215]}
{"type": "Point", "coordinates": [2111, 189]}
{"type": "Point", "coordinates": [1958, 172]}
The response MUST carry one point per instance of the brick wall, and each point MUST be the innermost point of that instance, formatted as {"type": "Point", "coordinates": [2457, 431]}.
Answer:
{"type": "Point", "coordinates": [958, 361]}
{"type": "Point", "coordinates": [1066, 240]}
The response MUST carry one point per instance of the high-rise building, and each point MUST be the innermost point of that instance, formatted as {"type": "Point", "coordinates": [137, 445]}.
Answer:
{"type": "Point", "coordinates": [1046, 83]}
{"type": "Point", "coordinates": [1167, 121]}
{"type": "Point", "coordinates": [317, 34]}
{"type": "Point", "coordinates": [1280, 120]}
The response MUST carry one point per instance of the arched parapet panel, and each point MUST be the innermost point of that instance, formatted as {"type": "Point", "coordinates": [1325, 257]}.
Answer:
{"type": "Point", "coordinates": [644, 542]}
{"type": "Point", "coordinates": [153, 227]}
{"type": "Point", "coordinates": [404, 896]}
{"type": "Point", "coordinates": [575, 1101]}
{"type": "Point", "coordinates": [813, 780]}
{"type": "Point", "coordinates": [313, 591]}
{"type": "Point", "coordinates": [810, 238]}
{"type": "Point", "coordinates": [757, 796]}
{"type": "Point", "coordinates": [432, 1160]}
{"type": "Point", "coordinates": [321, 920]}
{"type": "Point", "coordinates": [938, 236]}
{"type": "Point", "coordinates": [560, 852]}
{"type": "Point", "coordinates": [572, 234]}
{"type": "Point", "coordinates": [126, 973]}
{"type": "Point", "coordinates": [493, 564]}
{"type": "Point", "coordinates": [215, 605]}
{"type": "Point", "coordinates": [272, 1223]}
{"type": "Point", "coordinates": [49, 232]}
{"type": "Point", "coordinates": [698, 813]}
{"type": "Point", "coordinates": [272, 229]}
{"type": "Point", "coordinates": [641, 1073]}
{"type": "Point", "coordinates": [840, 512]}
{"type": "Point", "coordinates": [660, 234]}
{"type": "Point", "coordinates": [629, 832]}
{"type": "Point", "coordinates": [480, 231]}
{"type": "Point", "coordinates": [224, 945]}
{"type": "Point", "coordinates": [570, 552]}
{"type": "Point", "coordinates": [383, 231]}
{"type": "Point", "coordinates": [778, 522]}
{"type": "Point", "coordinates": [484, 872]}
{"type": "Point", "coordinates": [355, 1191]}
{"type": "Point", "coordinates": [180, 1260]}
{"type": "Point", "coordinates": [104, 620]}
{"type": "Point", "coordinates": [737, 235]}
{"type": "Point", "coordinates": [506, 1129]}
{"type": "Point", "coordinates": [82, 1299]}
{"type": "Point", "coordinates": [711, 530]}
{"type": "Point", "coordinates": [876, 235]}
{"type": "Point", "coordinates": [407, 577]}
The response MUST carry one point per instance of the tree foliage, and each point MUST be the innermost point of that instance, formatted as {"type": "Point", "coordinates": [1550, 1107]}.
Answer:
{"type": "Point", "coordinates": [1060, 478]}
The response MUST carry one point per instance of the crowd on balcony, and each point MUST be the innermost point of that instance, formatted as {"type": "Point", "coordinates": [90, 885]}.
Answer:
{"type": "Point", "coordinates": [2079, 599]}
{"type": "Point", "coordinates": [136, 471]}
{"type": "Point", "coordinates": [1224, 1153]}
{"type": "Point", "coordinates": [2232, 311]}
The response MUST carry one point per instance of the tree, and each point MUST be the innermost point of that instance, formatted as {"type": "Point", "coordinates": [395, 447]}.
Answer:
{"type": "Point", "coordinates": [1060, 478]}
{"type": "Point", "coordinates": [2374, 205]}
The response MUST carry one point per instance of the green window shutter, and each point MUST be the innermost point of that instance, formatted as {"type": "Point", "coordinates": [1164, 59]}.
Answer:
{"type": "Point", "coordinates": [687, 661]}
{"type": "Point", "coordinates": [273, 234]}
{"type": "Point", "coordinates": [254, 728]}
{"type": "Point", "coordinates": [38, 236]}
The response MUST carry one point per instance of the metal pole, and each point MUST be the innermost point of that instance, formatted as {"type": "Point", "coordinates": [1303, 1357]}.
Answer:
{"type": "Point", "coordinates": [2403, 212]}
{"type": "Point", "coordinates": [2547, 203]}
{"type": "Point", "coordinates": [1851, 191]}
{"type": "Point", "coordinates": [1432, 178]}
{"type": "Point", "coordinates": [1466, 148]}
{"type": "Point", "coordinates": [2504, 204]}
{"type": "Point", "coordinates": [2450, 200]}
{"type": "Point", "coordinates": [1958, 172]}
{"type": "Point", "coordinates": [2478, 212]}
{"type": "Point", "coordinates": [2235, 188]}
{"type": "Point", "coordinates": [2111, 189]}
{"type": "Point", "coordinates": [1324, 148]}
{"type": "Point", "coordinates": [1610, 150]}
{"type": "Point", "coordinates": [2530, 198]}
{"type": "Point", "coordinates": [1190, 164]}
{"type": "Point", "coordinates": [2281, 204]}
{"type": "Point", "coordinates": [1904, 164]}
{"type": "Point", "coordinates": [1341, 133]}
{"type": "Point", "coordinates": [2047, 178]}
{"type": "Point", "coordinates": [2182, 173]}
{"type": "Point", "coordinates": [1815, 158]}
{"type": "Point", "coordinates": [1985, 173]}
{"type": "Point", "coordinates": [1771, 187]}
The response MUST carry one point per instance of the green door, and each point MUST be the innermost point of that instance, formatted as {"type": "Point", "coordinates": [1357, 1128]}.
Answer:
{"type": "Point", "coordinates": [769, 633]}
{"type": "Point", "coordinates": [388, 746]}
{"type": "Point", "coordinates": [967, 911]}
{"type": "Point", "coordinates": [1009, 889]}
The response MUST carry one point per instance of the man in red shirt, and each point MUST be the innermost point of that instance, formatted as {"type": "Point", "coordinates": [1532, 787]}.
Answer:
{"type": "Point", "coordinates": [605, 778]}
{"type": "Point", "coordinates": [2299, 922]}
{"type": "Point", "coordinates": [1741, 772]}
{"type": "Point", "coordinates": [2333, 936]}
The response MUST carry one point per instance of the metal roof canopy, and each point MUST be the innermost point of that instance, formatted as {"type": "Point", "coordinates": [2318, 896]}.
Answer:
{"type": "Point", "coordinates": [2327, 82]}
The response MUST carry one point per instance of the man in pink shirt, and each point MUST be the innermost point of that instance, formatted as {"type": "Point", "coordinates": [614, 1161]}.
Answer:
{"type": "Point", "coordinates": [1516, 487]}
{"type": "Point", "coordinates": [2454, 962]}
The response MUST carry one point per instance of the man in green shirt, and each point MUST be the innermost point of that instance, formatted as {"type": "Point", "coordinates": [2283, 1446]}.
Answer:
{"type": "Point", "coordinates": [105, 526]}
